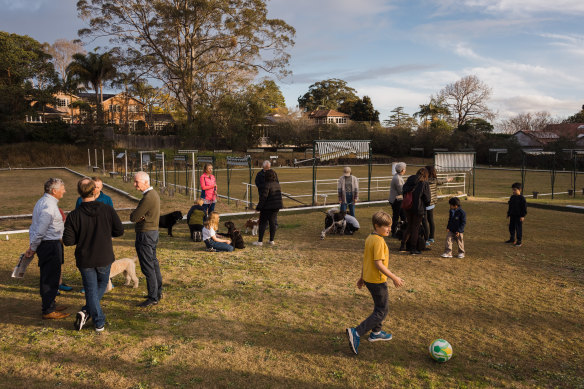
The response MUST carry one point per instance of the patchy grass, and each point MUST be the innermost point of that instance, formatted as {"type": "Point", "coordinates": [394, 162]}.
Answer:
{"type": "Point", "coordinates": [275, 316]}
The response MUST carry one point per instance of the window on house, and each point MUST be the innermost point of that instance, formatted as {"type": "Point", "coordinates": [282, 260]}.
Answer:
{"type": "Point", "coordinates": [133, 108]}
{"type": "Point", "coordinates": [115, 108]}
{"type": "Point", "coordinates": [62, 102]}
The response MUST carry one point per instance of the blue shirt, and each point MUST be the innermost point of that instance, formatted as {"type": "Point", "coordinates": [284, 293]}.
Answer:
{"type": "Point", "coordinates": [47, 221]}
{"type": "Point", "coordinates": [102, 198]}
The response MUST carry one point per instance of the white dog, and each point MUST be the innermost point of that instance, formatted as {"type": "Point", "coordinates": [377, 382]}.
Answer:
{"type": "Point", "coordinates": [334, 223]}
{"type": "Point", "coordinates": [126, 266]}
{"type": "Point", "coordinates": [252, 224]}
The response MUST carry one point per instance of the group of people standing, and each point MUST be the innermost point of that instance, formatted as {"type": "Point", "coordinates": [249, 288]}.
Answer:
{"type": "Point", "coordinates": [90, 227]}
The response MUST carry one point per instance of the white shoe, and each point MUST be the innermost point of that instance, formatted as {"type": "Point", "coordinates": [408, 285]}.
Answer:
{"type": "Point", "coordinates": [460, 256]}
{"type": "Point", "coordinates": [445, 255]}
{"type": "Point", "coordinates": [258, 243]}
{"type": "Point", "coordinates": [271, 242]}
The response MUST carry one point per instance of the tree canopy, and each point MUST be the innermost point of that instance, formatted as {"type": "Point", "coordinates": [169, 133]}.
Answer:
{"type": "Point", "coordinates": [467, 99]}
{"type": "Point", "coordinates": [327, 94]}
{"type": "Point", "coordinates": [360, 110]}
{"type": "Point", "coordinates": [26, 73]}
{"type": "Point", "coordinates": [198, 49]}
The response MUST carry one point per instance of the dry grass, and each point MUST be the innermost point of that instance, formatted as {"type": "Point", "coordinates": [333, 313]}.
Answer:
{"type": "Point", "coordinates": [275, 317]}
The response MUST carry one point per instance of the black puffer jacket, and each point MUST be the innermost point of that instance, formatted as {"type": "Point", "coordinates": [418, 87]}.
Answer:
{"type": "Point", "coordinates": [421, 194]}
{"type": "Point", "coordinates": [270, 197]}
{"type": "Point", "coordinates": [91, 227]}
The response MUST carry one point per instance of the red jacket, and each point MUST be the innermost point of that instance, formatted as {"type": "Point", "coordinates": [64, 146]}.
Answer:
{"type": "Point", "coordinates": [209, 187]}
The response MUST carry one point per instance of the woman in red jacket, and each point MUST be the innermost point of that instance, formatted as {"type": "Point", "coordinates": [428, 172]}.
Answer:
{"type": "Point", "coordinates": [208, 189]}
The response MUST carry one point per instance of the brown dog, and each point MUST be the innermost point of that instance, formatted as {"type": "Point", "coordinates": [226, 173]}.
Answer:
{"type": "Point", "coordinates": [253, 225]}
{"type": "Point", "coordinates": [126, 266]}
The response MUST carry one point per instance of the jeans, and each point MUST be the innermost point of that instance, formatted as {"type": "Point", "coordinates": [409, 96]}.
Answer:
{"type": "Point", "coordinates": [219, 246]}
{"type": "Point", "coordinates": [381, 300]}
{"type": "Point", "coordinates": [208, 208]}
{"type": "Point", "coordinates": [429, 226]}
{"type": "Point", "coordinates": [398, 213]}
{"type": "Point", "coordinates": [349, 198]}
{"type": "Point", "coordinates": [515, 227]}
{"type": "Point", "coordinates": [95, 280]}
{"type": "Point", "coordinates": [411, 234]}
{"type": "Point", "coordinates": [146, 242]}
{"type": "Point", "coordinates": [50, 253]}
{"type": "Point", "coordinates": [267, 216]}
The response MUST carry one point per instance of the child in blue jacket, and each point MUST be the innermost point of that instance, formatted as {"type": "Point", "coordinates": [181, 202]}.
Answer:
{"type": "Point", "coordinates": [455, 228]}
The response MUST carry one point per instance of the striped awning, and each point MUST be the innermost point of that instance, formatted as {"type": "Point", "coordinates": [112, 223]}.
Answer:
{"type": "Point", "coordinates": [454, 162]}
{"type": "Point", "coordinates": [331, 149]}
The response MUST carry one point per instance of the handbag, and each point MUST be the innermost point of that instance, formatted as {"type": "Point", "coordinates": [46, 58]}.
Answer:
{"type": "Point", "coordinates": [408, 200]}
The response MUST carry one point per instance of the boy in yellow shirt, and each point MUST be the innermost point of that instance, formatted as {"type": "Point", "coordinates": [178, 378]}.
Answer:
{"type": "Point", "coordinates": [374, 275]}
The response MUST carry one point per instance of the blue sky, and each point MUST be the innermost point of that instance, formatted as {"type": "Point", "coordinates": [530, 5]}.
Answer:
{"type": "Point", "coordinates": [400, 52]}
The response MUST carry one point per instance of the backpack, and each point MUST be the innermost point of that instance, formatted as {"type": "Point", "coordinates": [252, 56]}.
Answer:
{"type": "Point", "coordinates": [408, 200]}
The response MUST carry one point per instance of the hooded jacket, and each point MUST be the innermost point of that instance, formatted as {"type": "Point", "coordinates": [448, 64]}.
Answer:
{"type": "Point", "coordinates": [91, 227]}
{"type": "Point", "coordinates": [421, 195]}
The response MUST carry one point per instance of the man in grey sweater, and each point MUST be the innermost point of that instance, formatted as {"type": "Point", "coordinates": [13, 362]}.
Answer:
{"type": "Point", "coordinates": [146, 216]}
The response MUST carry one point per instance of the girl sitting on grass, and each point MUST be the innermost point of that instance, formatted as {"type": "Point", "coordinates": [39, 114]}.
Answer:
{"type": "Point", "coordinates": [214, 243]}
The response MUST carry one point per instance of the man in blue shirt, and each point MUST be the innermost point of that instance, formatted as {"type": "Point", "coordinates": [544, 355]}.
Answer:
{"type": "Point", "coordinates": [101, 197]}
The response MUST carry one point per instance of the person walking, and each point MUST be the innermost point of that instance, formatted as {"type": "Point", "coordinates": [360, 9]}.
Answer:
{"type": "Point", "coordinates": [90, 227]}
{"type": "Point", "coordinates": [45, 235]}
{"type": "Point", "coordinates": [146, 216]}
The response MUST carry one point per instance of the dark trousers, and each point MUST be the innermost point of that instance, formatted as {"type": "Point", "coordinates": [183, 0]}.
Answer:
{"type": "Point", "coordinates": [381, 301]}
{"type": "Point", "coordinates": [208, 208]}
{"type": "Point", "coordinates": [428, 223]}
{"type": "Point", "coordinates": [267, 216]}
{"type": "Point", "coordinates": [50, 253]}
{"type": "Point", "coordinates": [412, 232]}
{"type": "Point", "coordinates": [146, 242]}
{"type": "Point", "coordinates": [398, 213]}
{"type": "Point", "coordinates": [95, 280]}
{"type": "Point", "coordinates": [515, 227]}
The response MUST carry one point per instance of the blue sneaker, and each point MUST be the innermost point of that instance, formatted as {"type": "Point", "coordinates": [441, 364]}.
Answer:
{"type": "Point", "coordinates": [353, 339]}
{"type": "Point", "coordinates": [65, 287]}
{"type": "Point", "coordinates": [431, 240]}
{"type": "Point", "coordinates": [382, 335]}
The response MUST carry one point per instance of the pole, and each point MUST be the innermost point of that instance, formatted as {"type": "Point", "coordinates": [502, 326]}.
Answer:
{"type": "Point", "coordinates": [553, 175]}
{"type": "Point", "coordinates": [194, 178]}
{"type": "Point", "coordinates": [228, 182]}
{"type": "Point", "coordinates": [474, 171]}
{"type": "Point", "coordinates": [523, 173]}
{"type": "Point", "coordinates": [113, 161]}
{"type": "Point", "coordinates": [369, 176]}
{"type": "Point", "coordinates": [103, 159]}
{"type": "Point", "coordinates": [250, 174]}
{"type": "Point", "coordinates": [163, 172]}
{"type": "Point", "coordinates": [126, 157]}
{"type": "Point", "coordinates": [141, 163]}
{"type": "Point", "coordinates": [95, 157]}
{"type": "Point", "coordinates": [89, 157]}
{"type": "Point", "coordinates": [313, 173]}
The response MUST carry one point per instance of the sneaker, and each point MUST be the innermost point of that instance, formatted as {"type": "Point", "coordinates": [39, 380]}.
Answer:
{"type": "Point", "coordinates": [99, 329]}
{"type": "Point", "coordinates": [211, 250]}
{"type": "Point", "coordinates": [65, 288]}
{"type": "Point", "coordinates": [428, 243]}
{"type": "Point", "coordinates": [446, 255]}
{"type": "Point", "coordinates": [460, 256]}
{"type": "Point", "coordinates": [382, 335]}
{"type": "Point", "coordinates": [258, 243]}
{"type": "Point", "coordinates": [82, 290]}
{"type": "Point", "coordinates": [80, 320]}
{"type": "Point", "coordinates": [353, 339]}
{"type": "Point", "coordinates": [415, 252]}
{"type": "Point", "coordinates": [431, 240]}
{"type": "Point", "coordinates": [271, 242]}
{"type": "Point", "coordinates": [510, 241]}
{"type": "Point", "coordinates": [517, 244]}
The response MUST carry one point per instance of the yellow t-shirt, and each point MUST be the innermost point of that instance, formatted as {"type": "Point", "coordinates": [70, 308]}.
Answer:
{"type": "Point", "coordinates": [375, 249]}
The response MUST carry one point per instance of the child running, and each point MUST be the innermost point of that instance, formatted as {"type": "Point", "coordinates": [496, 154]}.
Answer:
{"type": "Point", "coordinates": [214, 243]}
{"type": "Point", "coordinates": [374, 275]}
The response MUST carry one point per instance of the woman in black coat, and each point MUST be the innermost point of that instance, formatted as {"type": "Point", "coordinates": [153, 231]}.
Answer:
{"type": "Point", "coordinates": [269, 204]}
{"type": "Point", "coordinates": [421, 197]}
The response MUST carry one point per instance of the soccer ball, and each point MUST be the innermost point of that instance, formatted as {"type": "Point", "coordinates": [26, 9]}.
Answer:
{"type": "Point", "coordinates": [440, 350]}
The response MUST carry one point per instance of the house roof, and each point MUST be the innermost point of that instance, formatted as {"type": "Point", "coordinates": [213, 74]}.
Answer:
{"type": "Point", "coordinates": [106, 96]}
{"type": "Point", "coordinates": [162, 117]}
{"type": "Point", "coordinates": [566, 130]}
{"type": "Point", "coordinates": [325, 113]}
{"type": "Point", "coordinates": [535, 138]}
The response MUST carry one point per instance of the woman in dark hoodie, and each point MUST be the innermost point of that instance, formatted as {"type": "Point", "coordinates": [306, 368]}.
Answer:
{"type": "Point", "coordinates": [269, 204]}
{"type": "Point", "coordinates": [421, 197]}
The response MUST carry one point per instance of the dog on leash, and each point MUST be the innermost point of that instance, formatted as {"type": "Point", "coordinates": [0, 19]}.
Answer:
{"type": "Point", "coordinates": [126, 266]}
{"type": "Point", "coordinates": [334, 223]}
{"type": "Point", "coordinates": [169, 220]}
{"type": "Point", "coordinates": [253, 225]}
{"type": "Point", "coordinates": [235, 236]}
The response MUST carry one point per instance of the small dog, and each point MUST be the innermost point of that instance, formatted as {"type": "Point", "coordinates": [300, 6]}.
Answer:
{"type": "Point", "coordinates": [235, 236]}
{"type": "Point", "coordinates": [169, 220]}
{"type": "Point", "coordinates": [334, 223]}
{"type": "Point", "coordinates": [402, 226]}
{"type": "Point", "coordinates": [126, 266]}
{"type": "Point", "coordinates": [253, 225]}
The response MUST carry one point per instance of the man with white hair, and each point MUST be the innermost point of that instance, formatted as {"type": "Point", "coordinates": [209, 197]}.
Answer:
{"type": "Point", "coordinates": [348, 190]}
{"type": "Point", "coordinates": [396, 196]}
{"type": "Point", "coordinates": [260, 180]}
{"type": "Point", "coordinates": [45, 234]}
{"type": "Point", "coordinates": [147, 216]}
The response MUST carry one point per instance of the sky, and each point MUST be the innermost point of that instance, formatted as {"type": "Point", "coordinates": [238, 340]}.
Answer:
{"type": "Point", "coordinates": [400, 52]}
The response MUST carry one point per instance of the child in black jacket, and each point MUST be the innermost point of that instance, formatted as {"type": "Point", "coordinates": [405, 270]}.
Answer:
{"type": "Point", "coordinates": [516, 214]}
{"type": "Point", "coordinates": [455, 229]}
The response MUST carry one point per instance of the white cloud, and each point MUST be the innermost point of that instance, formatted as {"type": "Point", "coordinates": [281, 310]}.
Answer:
{"type": "Point", "coordinates": [517, 7]}
{"type": "Point", "coordinates": [16, 5]}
